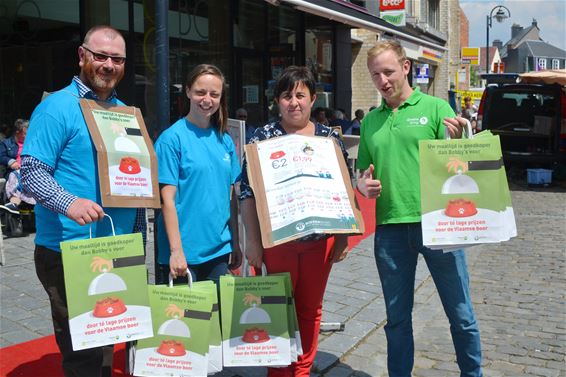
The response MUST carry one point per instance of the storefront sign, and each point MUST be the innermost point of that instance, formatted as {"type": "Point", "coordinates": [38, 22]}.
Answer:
{"type": "Point", "coordinates": [387, 5]}
{"type": "Point", "coordinates": [412, 50]}
{"type": "Point", "coordinates": [462, 76]}
{"type": "Point", "coordinates": [394, 17]}
{"type": "Point", "coordinates": [470, 55]}
{"type": "Point", "coordinates": [430, 54]}
{"type": "Point", "coordinates": [422, 74]}
{"type": "Point", "coordinates": [393, 11]}
{"type": "Point", "coordinates": [475, 95]}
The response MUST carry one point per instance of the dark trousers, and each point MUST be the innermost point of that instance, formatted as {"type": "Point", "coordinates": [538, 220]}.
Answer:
{"type": "Point", "coordinates": [95, 362]}
{"type": "Point", "coordinates": [209, 270]}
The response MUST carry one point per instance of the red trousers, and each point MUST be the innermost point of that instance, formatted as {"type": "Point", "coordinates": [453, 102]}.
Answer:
{"type": "Point", "coordinates": [309, 264]}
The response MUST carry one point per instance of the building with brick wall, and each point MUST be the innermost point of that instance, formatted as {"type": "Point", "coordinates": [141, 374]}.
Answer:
{"type": "Point", "coordinates": [437, 21]}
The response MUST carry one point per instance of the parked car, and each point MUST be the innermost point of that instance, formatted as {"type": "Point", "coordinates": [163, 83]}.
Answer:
{"type": "Point", "coordinates": [529, 118]}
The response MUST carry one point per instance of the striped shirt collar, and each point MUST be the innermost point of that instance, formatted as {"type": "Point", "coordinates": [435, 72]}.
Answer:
{"type": "Point", "coordinates": [86, 92]}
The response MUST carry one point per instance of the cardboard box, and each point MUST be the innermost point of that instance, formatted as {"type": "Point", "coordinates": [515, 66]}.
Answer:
{"type": "Point", "coordinates": [301, 186]}
{"type": "Point", "coordinates": [127, 164]}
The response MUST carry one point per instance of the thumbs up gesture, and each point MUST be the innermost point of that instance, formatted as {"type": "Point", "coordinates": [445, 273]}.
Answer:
{"type": "Point", "coordinates": [367, 185]}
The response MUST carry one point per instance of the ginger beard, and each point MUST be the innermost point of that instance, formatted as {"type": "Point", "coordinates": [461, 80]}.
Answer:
{"type": "Point", "coordinates": [100, 77]}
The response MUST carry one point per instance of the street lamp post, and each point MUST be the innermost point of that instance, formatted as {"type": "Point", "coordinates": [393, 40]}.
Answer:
{"type": "Point", "coordinates": [501, 14]}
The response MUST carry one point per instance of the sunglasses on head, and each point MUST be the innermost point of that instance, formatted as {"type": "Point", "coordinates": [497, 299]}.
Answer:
{"type": "Point", "coordinates": [99, 57]}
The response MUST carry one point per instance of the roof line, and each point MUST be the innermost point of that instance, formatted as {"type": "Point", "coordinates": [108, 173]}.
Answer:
{"type": "Point", "coordinates": [530, 49]}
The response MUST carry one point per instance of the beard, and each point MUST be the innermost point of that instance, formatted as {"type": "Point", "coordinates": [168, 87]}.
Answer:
{"type": "Point", "coordinates": [97, 80]}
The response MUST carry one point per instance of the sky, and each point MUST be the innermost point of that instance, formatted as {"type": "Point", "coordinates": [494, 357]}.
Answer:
{"type": "Point", "coordinates": [550, 16]}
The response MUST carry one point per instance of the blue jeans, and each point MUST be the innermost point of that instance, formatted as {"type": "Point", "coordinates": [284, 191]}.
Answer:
{"type": "Point", "coordinates": [209, 270]}
{"type": "Point", "coordinates": [396, 250]}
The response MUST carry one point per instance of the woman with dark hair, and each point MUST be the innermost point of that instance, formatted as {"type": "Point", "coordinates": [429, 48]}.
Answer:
{"type": "Point", "coordinates": [310, 258]}
{"type": "Point", "coordinates": [198, 167]}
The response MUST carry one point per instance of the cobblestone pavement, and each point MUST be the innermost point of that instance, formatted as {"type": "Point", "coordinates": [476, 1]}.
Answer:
{"type": "Point", "coordinates": [518, 289]}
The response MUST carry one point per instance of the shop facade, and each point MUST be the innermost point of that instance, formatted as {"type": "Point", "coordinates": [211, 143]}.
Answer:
{"type": "Point", "coordinates": [250, 40]}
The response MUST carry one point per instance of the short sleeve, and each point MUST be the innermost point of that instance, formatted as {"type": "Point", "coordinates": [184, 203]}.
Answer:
{"type": "Point", "coordinates": [46, 138]}
{"type": "Point", "coordinates": [444, 111]}
{"type": "Point", "coordinates": [235, 160]}
{"type": "Point", "coordinates": [168, 160]}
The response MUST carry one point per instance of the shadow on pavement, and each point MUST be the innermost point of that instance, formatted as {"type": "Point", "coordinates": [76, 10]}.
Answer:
{"type": "Point", "coordinates": [49, 364]}
{"type": "Point", "coordinates": [344, 370]}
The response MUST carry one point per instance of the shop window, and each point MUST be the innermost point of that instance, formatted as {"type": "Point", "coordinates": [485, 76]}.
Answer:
{"type": "Point", "coordinates": [249, 24]}
{"type": "Point", "coordinates": [38, 52]}
{"type": "Point", "coordinates": [199, 32]}
{"type": "Point", "coordinates": [319, 58]}
{"type": "Point", "coordinates": [430, 11]}
{"type": "Point", "coordinates": [283, 35]}
{"type": "Point", "coordinates": [283, 23]}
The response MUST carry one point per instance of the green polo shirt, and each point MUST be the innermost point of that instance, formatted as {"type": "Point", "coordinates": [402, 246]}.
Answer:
{"type": "Point", "coordinates": [390, 141]}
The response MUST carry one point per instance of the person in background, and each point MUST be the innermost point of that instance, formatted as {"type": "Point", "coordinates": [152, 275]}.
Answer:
{"type": "Point", "coordinates": [338, 120]}
{"type": "Point", "coordinates": [198, 167]}
{"type": "Point", "coordinates": [356, 122]}
{"type": "Point", "coordinates": [59, 170]}
{"type": "Point", "coordinates": [15, 194]}
{"type": "Point", "coordinates": [389, 150]}
{"type": "Point", "coordinates": [470, 112]}
{"type": "Point", "coordinates": [319, 116]}
{"type": "Point", "coordinates": [11, 147]}
{"type": "Point", "coordinates": [309, 259]}
{"type": "Point", "coordinates": [4, 131]}
{"type": "Point", "coordinates": [242, 114]}
{"type": "Point", "coordinates": [10, 157]}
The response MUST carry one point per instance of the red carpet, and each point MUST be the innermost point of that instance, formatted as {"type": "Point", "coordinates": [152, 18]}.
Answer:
{"type": "Point", "coordinates": [367, 206]}
{"type": "Point", "coordinates": [40, 357]}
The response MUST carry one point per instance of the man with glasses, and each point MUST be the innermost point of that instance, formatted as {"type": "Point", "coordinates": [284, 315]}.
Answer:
{"type": "Point", "coordinates": [59, 170]}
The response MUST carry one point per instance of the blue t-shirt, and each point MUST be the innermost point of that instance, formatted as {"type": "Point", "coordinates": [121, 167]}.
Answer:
{"type": "Point", "coordinates": [59, 137]}
{"type": "Point", "coordinates": [203, 165]}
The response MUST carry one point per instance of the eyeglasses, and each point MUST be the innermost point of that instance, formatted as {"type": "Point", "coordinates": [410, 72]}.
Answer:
{"type": "Point", "coordinates": [119, 60]}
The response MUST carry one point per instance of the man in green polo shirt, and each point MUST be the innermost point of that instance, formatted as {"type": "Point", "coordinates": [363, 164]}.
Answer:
{"type": "Point", "coordinates": [389, 150]}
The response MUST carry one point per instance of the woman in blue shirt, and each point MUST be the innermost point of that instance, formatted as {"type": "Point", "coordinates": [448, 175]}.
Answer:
{"type": "Point", "coordinates": [198, 167]}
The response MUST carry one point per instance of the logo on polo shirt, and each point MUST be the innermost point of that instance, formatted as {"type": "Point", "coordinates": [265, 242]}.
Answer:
{"type": "Point", "coordinates": [226, 157]}
{"type": "Point", "coordinates": [422, 121]}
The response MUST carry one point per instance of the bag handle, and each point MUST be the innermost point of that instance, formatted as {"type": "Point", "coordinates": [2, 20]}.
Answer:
{"type": "Point", "coordinates": [247, 267]}
{"type": "Point", "coordinates": [467, 129]}
{"type": "Point", "coordinates": [111, 225]}
{"type": "Point", "coordinates": [189, 278]}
